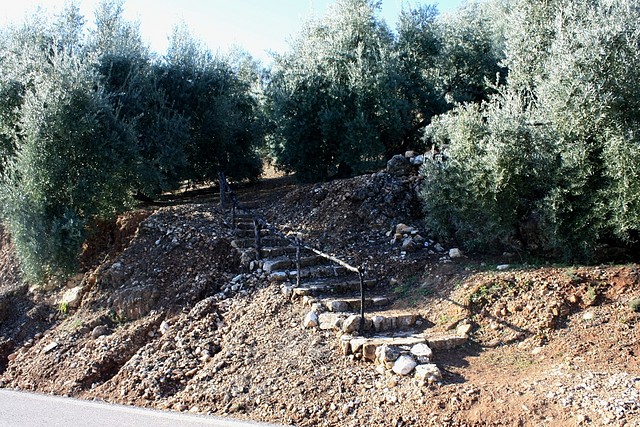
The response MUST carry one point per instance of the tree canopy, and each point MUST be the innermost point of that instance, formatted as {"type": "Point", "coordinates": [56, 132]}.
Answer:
{"type": "Point", "coordinates": [89, 118]}
{"type": "Point", "coordinates": [533, 106]}
{"type": "Point", "coordinates": [549, 164]}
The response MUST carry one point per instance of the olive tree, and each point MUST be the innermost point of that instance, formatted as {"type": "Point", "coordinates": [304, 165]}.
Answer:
{"type": "Point", "coordinates": [549, 163]}
{"type": "Point", "coordinates": [334, 97]}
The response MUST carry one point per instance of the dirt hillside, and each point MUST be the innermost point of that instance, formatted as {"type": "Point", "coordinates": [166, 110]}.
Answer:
{"type": "Point", "coordinates": [166, 315]}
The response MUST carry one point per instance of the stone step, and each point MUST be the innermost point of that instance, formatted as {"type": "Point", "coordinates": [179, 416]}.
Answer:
{"type": "Point", "coordinates": [249, 233]}
{"type": "Point", "coordinates": [331, 286]}
{"type": "Point", "coordinates": [446, 341]}
{"type": "Point", "coordinates": [313, 271]}
{"type": "Point", "coordinates": [343, 305]}
{"type": "Point", "coordinates": [251, 206]}
{"type": "Point", "coordinates": [282, 263]}
{"type": "Point", "coordinates": [367, 346]}
{"type": "Point", "coordinates": [244, 217]}
{"type": "Point", "coordinates": [268, 252]}
{"type": "Point", "coordinates": [244, 225]}
{"type": "Point", "coordinates": [377, 322]}
{"type": "Point", "coordinates": [244, 243]}
{"type": "Point", "coordinates": [403, 342]}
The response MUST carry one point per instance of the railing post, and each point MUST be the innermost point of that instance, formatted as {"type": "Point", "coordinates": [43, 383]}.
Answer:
{"type": "Point", "coordinates": [298, 244]}
{"type": "Point", "coordinates": [233, 216]}
{"type": "Point", "coordinates": [361, 277]}
{"type": "Point", "coordinates": [223, 188]}
{"type": "Point", "coordinates": [256, 228]}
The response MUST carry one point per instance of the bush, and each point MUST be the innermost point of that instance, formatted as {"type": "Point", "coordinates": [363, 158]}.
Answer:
{"type": "Point", "coordinates": [75, 163]}
{"type": "Point", "coordinates": [548, 164]}
{"type": "Point", "coordinates": [484, 187]}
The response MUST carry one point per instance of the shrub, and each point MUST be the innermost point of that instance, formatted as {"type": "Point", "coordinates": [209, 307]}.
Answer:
{"type": "Point", "coordinates": [550, 162]}
{"type": "Point", "coordinates": [74, 164]}
{"type": "Point", "coordinates": [493, 170]}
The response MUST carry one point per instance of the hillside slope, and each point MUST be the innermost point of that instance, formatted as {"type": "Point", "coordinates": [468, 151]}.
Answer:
{"type": "Point", "coordinates": [166, 316]}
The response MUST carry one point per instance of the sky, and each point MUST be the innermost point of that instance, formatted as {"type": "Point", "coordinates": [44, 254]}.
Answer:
{"type": "Point", "coordinates": [258, 26]}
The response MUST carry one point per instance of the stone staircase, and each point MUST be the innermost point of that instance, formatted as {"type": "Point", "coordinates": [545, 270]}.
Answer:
{"type": "Point", "coordinates": [394, 340]}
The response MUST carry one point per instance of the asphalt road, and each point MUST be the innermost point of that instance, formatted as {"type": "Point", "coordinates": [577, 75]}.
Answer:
{"type": "Point", "coordinates": [19, 409]}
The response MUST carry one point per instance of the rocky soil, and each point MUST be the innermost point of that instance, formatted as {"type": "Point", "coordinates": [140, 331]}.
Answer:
{"type": "Point", "coordinates": [165, 316]}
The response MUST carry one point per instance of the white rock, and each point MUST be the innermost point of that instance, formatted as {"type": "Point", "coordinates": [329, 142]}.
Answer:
{"type": "Point", "coordinates": [455, 253]}
{"type": "Point", "coordinates": [391, 398]}
{"type": "Point", "coordinates": [310, 320]}
{"type": "Point", "coordinates": [49, 347]}
{"type": "Point", "coordinates": [345, 344]}
{"type": "Point", "coordinates": [101, 330]}
{"type": "Point", "coordinates": [287, 291]}
{"type": "Point", "coordinates": [351, 323]}
{"type": "Point", "coordinates": [464, 328]}
{"type": "Point", "coordinates": [164, 327]}
{"type": "Point", "coordinates": [378, 322]}
{"type": "Point", "coordinates": [429, 373]}
{"type": "Point", "coordinates": [330, 321]}
{"type": "Point", "coordinates": [404, 229]}
{"type": "Point", "coordinates": [317, 307]}
{"type": "Point", "coordinates": [385, 353]}
{"type": "Point", "coordinates": [503, 267]}
{"type": "Point", "coordinates": [408, 245]}
{"type": "Point", "coordinates": [72, 297]}
{"type": "Point", "coordinates": [588, 315]}
{"type": "Point", "coordinates": [337, 306]}
{"type": "Point", "coordinates": [417, 160]}
{"type": "Point", "coordinates": [404, 365]}
{"type": "Point", "coordinates": [422, 351]}
{"type": "Point", "coordinates": [278, 276]}
{"type": "Point", "coordinates": [355, 343]}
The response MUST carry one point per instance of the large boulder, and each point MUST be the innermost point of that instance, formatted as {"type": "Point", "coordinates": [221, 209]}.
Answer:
{"type": "Point", "coordinates": [399, 165]}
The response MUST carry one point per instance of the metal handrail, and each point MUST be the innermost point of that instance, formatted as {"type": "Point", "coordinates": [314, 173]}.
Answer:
{"type": "Point", "coordinates": [259, 223]}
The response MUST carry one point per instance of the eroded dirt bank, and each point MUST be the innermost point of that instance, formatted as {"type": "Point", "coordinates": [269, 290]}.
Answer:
{"type": "Point", "coordinates": [167, 317]}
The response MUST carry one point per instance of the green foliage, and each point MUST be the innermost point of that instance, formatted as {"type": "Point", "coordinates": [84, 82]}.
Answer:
{"type": "Point", "coordinates": [445, 60]}
{"type": "Point", "coordinates": [87, 119]}
{"type": "Point", "coordinates": [495, 168]}
{"type": "Point", "coordinates": [419, 46]}
{"type": "Point", "coordinates": [350, 93]}
{"type": "Point", "coordinates": [225, 123]}
{"type": "Point", "coordinates": [73, 164]}
{"type": "Point", "coordinates": [333, 98]}
{"type": "Point", "coordinates": [129, 76]}
{"type": "Point", "coordinates": [549, 163]}
{"type": "Point", "coordinates": [63, 309]}
{"type": "Point", "coordinates": [589, 96]}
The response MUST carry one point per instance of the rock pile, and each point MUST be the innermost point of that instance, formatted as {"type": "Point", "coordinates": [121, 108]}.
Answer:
{"type": "Point", "coordinates": [377, 200]}
{"type": "Point", "coordinates": [407, 164]}
{"type": "Point", "coordinates": [184, 261]}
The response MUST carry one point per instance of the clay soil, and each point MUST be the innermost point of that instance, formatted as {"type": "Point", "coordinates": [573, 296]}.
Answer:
{"type": "Point", "coordinates": [169, 319]}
